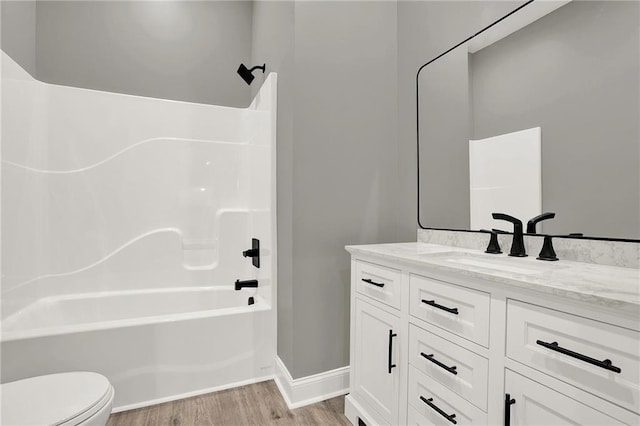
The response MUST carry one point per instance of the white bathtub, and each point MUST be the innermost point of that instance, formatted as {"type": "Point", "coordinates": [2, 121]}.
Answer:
{"type": "Point", "coordinates": [153, 345]}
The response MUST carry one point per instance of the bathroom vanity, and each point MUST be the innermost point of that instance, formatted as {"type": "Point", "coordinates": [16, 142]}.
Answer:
{"type": "Point", "coordinates": [443, 335]}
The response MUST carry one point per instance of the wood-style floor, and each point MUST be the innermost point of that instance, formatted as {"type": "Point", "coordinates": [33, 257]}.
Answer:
{"type": "Point", "coordinates": [257, 404]}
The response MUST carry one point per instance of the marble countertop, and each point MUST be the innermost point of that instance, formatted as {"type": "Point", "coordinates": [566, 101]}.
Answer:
{"type": "Point", "coordinates": [607, 286]}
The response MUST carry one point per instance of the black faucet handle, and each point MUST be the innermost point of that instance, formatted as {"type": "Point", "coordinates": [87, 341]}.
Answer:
{"type": "Point", "coordinates": [547, 252]}
{"type": "Point", "coordinates": [531, 225]}
{"type": "Point", "coordinates": [494, 245]}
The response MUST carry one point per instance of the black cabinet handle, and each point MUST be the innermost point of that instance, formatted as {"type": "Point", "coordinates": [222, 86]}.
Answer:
{"type": "Point", "coordinates": [389, 361]}
{"type": "Point", "coordinates": [430, 403]}
{"type": "Point", "coordinates": [430, 357]}
{"type": "Point", "coordinates": [444, 308]}
{"type": "Point", "coordinates": [606, 364]}
{"type": "Point", "coordinates": [508, 402]}
{"type": "Point", "coordinates": [369, 281]}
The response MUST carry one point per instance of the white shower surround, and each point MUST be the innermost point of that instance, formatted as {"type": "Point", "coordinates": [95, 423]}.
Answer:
{"type": "Point", "coordinates": [123, 224]}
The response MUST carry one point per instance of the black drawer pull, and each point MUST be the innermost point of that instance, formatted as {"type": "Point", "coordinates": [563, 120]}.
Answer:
{"type": "Point", "coordinates": [430, 357]}
{"type": "Point", "coordinates": [606, 364]}
{"type": "Point", "coordinates": [508, 402]}
{"type": "Point", "coordinates": [370, 281]}
{"type": "Point", "coordinates": [444, 308]}
{"type": "Point", "coordinates": [430, 403]}
{"type": "Point", "coordinates": [389, 360]}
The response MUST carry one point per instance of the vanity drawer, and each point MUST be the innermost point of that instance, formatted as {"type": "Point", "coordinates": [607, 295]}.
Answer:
{"type": "Point", "coordinates": [460, 310]}
{"type": "Point", "coordinates": [568, 348]}
{"type": "Point", "coordinates": [462, 371]}
{"type": "Point", "coordinates": [379, 282]}
{"type": "Point", "coordinates": [434, 402]}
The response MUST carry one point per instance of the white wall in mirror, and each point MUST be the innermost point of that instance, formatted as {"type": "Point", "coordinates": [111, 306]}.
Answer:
{"type": "Point", "coordinates": [505, 175]}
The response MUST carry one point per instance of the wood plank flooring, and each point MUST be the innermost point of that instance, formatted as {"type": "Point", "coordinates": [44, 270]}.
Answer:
{"type": "Point", "coordinates": [256, 404]}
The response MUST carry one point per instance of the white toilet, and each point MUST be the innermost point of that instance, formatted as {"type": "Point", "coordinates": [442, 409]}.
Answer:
{"type": "Point", "coordinates": [69, 399]}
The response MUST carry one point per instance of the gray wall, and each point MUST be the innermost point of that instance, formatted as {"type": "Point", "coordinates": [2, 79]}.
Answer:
{"type": "Point", "coordinates": [337, 162]}
{"type": "Point", "coordinates": [273, 35]}
{"type": "Point", "coordinates": [183, 50]}
{"type": "Point", "coordinates": [579, 82]}
{"type": "Point", "coordinates": [426, 29]}
{"type": "Point", "coordinates": [344, 165]}
{"type": "Point", "coordinates": [18, 32]}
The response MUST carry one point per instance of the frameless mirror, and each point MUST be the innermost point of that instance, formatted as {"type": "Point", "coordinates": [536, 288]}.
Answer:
{"type": "Point", "coordinates": [574, 73]}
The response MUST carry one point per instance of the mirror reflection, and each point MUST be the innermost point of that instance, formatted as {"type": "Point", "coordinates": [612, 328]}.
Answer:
{"type": "Point", "coordinates": [573, 74]}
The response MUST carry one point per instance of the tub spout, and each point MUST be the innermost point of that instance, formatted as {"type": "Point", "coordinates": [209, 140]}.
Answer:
{"type": "Point", "coordinates": [246, 283]}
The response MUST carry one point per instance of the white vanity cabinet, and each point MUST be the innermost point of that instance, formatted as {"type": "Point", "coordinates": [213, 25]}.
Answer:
{"type": "Point", "coordinates": [433, 345]}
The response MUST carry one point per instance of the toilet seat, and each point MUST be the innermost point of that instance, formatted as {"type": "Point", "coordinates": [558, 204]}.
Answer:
{"type": "Point", "coordinates": [64, 399]}
{"type": "Point", "coordinates": [88, 416]}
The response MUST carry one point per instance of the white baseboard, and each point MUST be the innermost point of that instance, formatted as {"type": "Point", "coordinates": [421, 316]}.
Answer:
{"type": "Point", "coordinates": [310, 389]}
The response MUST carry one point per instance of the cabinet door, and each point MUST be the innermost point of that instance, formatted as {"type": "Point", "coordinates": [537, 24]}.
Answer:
{"type": "Point", "coordinates": [536, 404]}
{"type": "Point", "coordinates": [376, 353]}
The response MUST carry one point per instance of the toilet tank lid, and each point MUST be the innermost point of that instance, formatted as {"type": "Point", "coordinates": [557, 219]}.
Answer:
{"type": "Point", "coordinates": [52, 399]}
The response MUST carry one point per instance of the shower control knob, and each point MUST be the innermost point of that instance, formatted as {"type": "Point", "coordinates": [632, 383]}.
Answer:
{"type": "Point", "coordinates": [253, 252]}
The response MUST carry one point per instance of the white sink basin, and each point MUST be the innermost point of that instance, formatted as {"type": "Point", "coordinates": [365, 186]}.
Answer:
{"type": "Point", "coordinates": [492, 262]}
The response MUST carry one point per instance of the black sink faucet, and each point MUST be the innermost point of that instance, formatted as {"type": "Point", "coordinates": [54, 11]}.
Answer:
{"type": "Point", "coordinates": [517, 245]}
{"type": "Point", "coordinates": [531, 225]}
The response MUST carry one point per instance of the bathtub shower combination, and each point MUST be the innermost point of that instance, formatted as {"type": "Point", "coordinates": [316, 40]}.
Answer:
{"type": "Point", "coordinates": [124, 222]}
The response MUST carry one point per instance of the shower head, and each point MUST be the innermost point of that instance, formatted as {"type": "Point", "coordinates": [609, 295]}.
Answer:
{"type": "Point", "coordinates": [247, 74]}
